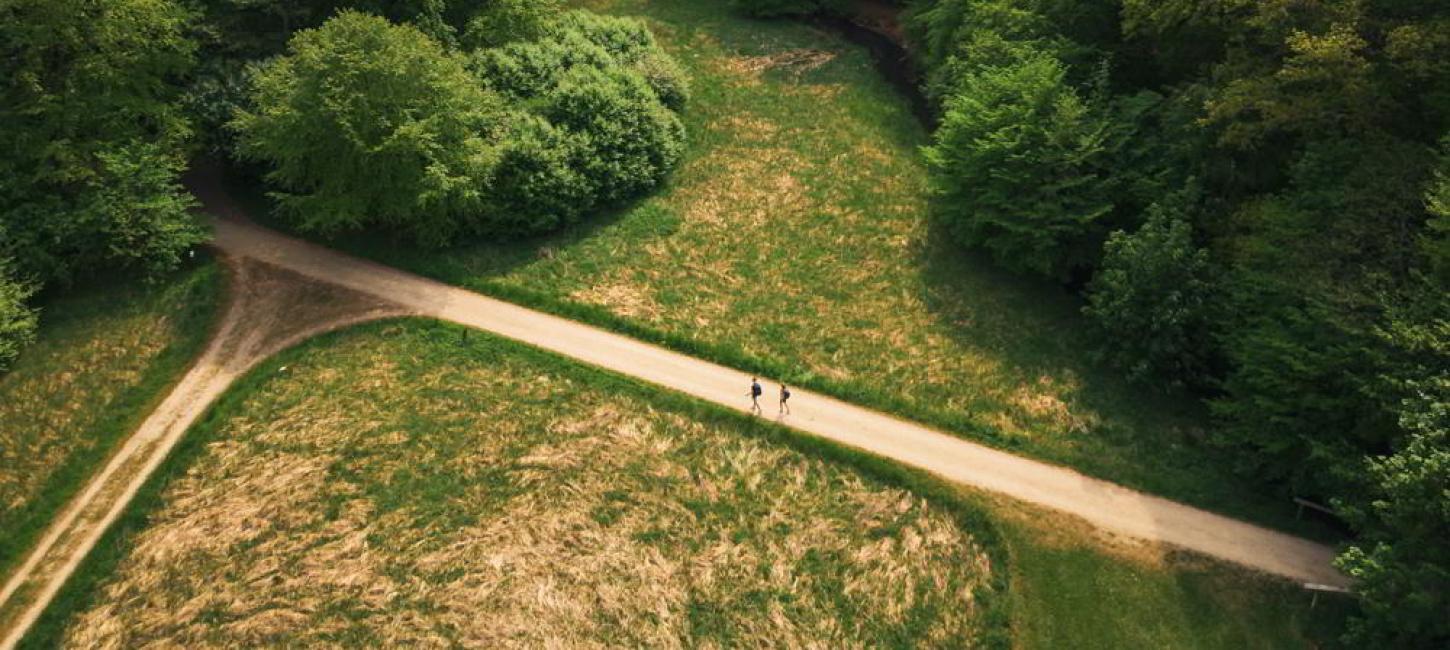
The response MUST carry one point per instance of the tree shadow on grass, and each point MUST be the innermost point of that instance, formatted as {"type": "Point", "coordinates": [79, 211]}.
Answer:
{"type": "Point", "coordinates": [470, 260]}
{"type": "Point", "coordinates": [1036, 330]}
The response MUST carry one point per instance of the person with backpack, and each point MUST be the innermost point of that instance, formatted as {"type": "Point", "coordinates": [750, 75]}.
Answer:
{"type": "Point", "coordinates": [784, 398]}
{"type": "Point", "coordinates": [754, 395]}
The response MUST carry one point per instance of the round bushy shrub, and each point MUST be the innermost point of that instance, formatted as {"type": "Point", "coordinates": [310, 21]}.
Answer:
{"type": "Point", "coordinates": [667, 78]}
{"type": "Point", "coordinates": [500, 22]}
{"type": "Point", "coordinates": [602, 99]}
{"type": "Point", "coordinates": [525, 70]}
{"type": "Point", "coordinates": [633, 141]}
{"type": "Point", "coordinates": [625, 39]}
{"type": "Point", "coordinates": [536, 185]}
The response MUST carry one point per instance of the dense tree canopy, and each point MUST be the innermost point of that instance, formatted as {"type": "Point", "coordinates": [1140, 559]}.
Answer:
{"type": "Point", "coordinates": [1150, 299]}
{"type": "Point", "coordinates": [1436, 238]}
{"type": "Point", "coordinates": [1018, 161]}
{"type": "Point", "coordinates": [1311, 127]}
{"type": "Point", "coordinates": [1402, 561]}
{"type": "Point", "coordinates": [87, 94]}
{"type": "Point", "coordinates": [429, 118]}
{"type": "Point", "coordinates": [365, 121]}
{"type": "Point", "coordinates": [501, 22]}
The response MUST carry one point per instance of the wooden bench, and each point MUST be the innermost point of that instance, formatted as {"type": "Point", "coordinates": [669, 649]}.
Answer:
{"type": "Point", "coordinates": [1305, 503]}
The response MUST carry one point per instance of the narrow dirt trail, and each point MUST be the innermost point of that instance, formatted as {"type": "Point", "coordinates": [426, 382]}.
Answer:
{"type": "Point", "coordinates": [269, 309]}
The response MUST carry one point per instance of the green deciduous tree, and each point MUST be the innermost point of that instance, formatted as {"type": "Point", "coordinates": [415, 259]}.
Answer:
{"type": "Point", "coordinates": [1436, 240]}
{"type": "Point", "coordinates": [90, 141]}
{"type": "Point", "coordinates": [17, 321]}
{"type": "Point", "coordinates": [1326, 85]}
{"type": "Point", "coordinates": [1401, 561]}
{"type": "Point", "coordinates": [1149, 299]}
{"type": "Point", "coordinates": [1296, 406]}
{"type": "Point", "coordinates": [1018, 164]}
{"type": "Point", "coordinates": [365, 122]}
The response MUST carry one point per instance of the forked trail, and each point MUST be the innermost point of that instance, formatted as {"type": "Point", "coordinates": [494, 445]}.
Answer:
{"type": "Point", "coordinates": [269, 309]}
{"type": "Point", "coordinates": [372, 290]}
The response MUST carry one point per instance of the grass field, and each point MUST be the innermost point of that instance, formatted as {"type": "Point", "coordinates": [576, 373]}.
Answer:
{"type": "Point", "coordinates": [398, 486]}
{"type": "Point", "coordinates": [795, 240]}
{"type": "Point", "coordinates": [105, 355]}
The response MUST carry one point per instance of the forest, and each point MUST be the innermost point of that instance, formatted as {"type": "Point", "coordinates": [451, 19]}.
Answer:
{"type": "Point", "coordinates": [1251, 197]}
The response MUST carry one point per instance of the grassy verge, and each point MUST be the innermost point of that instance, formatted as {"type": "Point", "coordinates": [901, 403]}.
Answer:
{"type": "Point", "coordinates": [641, 516]}
{"type": "Point", "coordinates": [795, 241]}
{"type": "Point", "coordinates": [106, 355]}
{"type": "Point", "coordinates": [1072, 590]}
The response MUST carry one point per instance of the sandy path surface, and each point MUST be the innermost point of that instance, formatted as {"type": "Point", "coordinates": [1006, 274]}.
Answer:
{"type": "Point", "coordinates": [269, 309]}
{"type": "Point", "coordinates": [1105, 505]}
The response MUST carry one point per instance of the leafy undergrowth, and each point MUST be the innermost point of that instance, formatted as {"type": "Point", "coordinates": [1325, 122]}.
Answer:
{"type": "Point", "coordinates": [795, 240]}
{"type": "Point", "coordinates": [106, 354]}
{"type": "Point", "coordinates": [400, 485]}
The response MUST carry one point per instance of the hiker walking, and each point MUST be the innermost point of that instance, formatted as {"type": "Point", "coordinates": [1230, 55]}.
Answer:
{"type": "Point", "coordinates": [784, 399]}
{"type": "Point", "coordinates": [754, 394]}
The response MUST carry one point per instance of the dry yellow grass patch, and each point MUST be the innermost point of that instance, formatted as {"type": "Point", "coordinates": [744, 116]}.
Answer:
{"type": "Point", "coordinates": [796, 62]}
{"type": "Point", "coordinates": [93, 348]}
{"type": "Point", "coordinates": [41, 413]}
{"type": "Point", "coordinates": [389, 490]}
{"type": "Point", "coordinates": [621, 298]}
{"type": "Point", "coordinates": [1043, 404]}
{"type": "Point", "coordinates": [758, 186]}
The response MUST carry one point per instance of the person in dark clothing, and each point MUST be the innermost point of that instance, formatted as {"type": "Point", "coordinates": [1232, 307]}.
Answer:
{"type": "Point", "coordinates": [784, 399]}
{"type": "Point", "coordinates": [754, 394]}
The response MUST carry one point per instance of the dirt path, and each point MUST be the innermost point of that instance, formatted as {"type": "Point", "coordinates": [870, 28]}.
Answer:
{"type": "Point", "coordinates": [1104, 505]}
{"type": "Point", "coordinates": [270, 309]}
{"type": "Point", "coordinates": [287, 290]}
